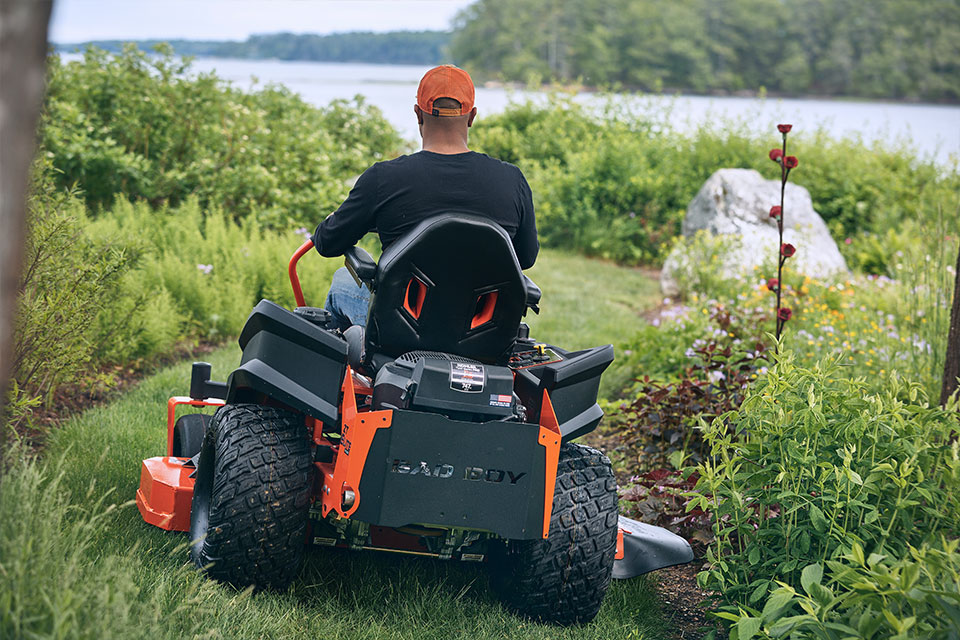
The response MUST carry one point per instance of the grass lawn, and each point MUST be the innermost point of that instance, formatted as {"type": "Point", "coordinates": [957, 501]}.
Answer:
{"type": "Point", "coordinates": [72, 566]}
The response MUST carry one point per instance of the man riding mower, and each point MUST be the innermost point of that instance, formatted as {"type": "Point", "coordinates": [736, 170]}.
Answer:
{"type": "Point", "coordinates": [441, 429]}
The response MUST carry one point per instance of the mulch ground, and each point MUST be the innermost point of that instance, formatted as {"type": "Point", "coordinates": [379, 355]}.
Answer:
{"type": "Point", "coordinates": [682, 601]}
{"type": "Point", "coordinates": [113, 381]}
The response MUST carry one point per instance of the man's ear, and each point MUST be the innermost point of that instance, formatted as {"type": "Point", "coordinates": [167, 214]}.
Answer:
{"type": "Point", "coordinates": [417, 110]}
{"type": "Point", "coordinates": [473, 114]}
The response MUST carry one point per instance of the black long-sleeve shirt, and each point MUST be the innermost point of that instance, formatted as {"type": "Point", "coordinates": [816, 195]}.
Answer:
{"type": "Point", "coordinates": [392, 197]}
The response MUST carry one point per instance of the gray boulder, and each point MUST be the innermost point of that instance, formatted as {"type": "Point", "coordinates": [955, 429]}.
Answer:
{"type": "Point", "coordinates": [735, 204]}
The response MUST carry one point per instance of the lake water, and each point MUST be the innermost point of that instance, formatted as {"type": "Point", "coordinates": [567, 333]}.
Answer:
{"type": "Point", "coordinates": [931, 130]}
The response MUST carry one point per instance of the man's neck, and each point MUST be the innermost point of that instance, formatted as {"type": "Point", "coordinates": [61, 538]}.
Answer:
{"type": "Point", "coordinates": [446, 145]}
{"type": "Point", "coordinates": [446, 148]}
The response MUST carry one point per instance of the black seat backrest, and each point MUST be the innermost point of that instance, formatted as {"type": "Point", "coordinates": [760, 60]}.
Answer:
{"type": "Point", "coordinates": [452, 284]}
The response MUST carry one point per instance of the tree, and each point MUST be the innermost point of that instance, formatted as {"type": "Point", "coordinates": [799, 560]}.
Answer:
{"type": "Point", "coordinates": [23, 51]}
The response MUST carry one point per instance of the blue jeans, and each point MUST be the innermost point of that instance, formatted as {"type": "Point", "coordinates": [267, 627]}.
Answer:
{"type": "Point", "coordinates": [346, 301]}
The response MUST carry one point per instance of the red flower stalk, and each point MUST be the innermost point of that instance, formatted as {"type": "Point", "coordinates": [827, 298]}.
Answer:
{"type": "Point", "coordinates": [791, 162]}
{"type": "Point", "coordinates": [784, 128]}
{"type": "Point", "coordinates": [787, 249]}
{"type": "Point", "coordinates": [776, 154]}
{"type": "Point", "coordinates": [784, 313]}
{"type": "Point", "coordinates": [773, 284]}
{"type": "Point", "coordinates": [775, 211]}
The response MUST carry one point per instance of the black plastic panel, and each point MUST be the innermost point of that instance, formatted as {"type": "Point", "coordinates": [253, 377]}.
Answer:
{"type": "Point", "coordinates": [572, 383]}
{"type": "Point", "coordinates": [474, 478]}
{"type": "Point", "coordinates": [290, 360]}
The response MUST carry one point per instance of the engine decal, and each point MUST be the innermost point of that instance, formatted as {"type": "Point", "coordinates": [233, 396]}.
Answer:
{"type": "Point", "coordinates": [500, 400]}
{"type": "Point", "coordinates": [466, 376]}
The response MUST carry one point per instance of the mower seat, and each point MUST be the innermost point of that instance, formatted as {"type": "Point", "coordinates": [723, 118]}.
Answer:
{"type": "Point", "coordinates": [452, 285]}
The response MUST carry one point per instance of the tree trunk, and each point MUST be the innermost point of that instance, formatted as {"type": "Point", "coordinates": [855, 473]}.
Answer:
{"type": "Point", "coordinates": [23, 52]}
{"type": "Point", "coordinates": [951, 368]}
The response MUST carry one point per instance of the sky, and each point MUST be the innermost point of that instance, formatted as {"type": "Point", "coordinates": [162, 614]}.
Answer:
{"type": "Point", "coordinates": [82, 20]}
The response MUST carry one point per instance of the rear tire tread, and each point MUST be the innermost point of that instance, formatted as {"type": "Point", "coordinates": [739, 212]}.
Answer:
{"type": "Point", "coordinates": [260, 498]}
{"type": "Point", "coordinates": [563, 579]}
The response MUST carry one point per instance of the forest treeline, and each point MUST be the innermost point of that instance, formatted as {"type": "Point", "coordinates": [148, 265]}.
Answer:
{"type": "Point", "coordinates": [879, 49]}
{"type": "Point", "coordinates": [902, 49]}
{"type": "Point", "coordinates": [394, 47]}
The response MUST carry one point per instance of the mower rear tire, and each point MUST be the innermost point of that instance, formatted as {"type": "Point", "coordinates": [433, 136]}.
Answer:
{"type": "Point", "coordinates": [563, 579]}
{"type": "Point", "coordinates": [188, 434]}
{"type": "Point", "coordinates": [248, 521]}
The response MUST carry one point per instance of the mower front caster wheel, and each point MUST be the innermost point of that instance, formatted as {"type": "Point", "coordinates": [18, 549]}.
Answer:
{"type": "Point", "coordinates": [248, 521]}
{"type": "Point", "coordinates": [563, 579]}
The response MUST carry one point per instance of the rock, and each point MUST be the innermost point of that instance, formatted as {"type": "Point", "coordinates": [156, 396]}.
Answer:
{"type": "Point", "coordinates": [735, 204]}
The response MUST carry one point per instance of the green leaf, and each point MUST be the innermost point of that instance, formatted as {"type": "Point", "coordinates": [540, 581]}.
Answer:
{"type": "Point", "coordinates": [776, 603]}
{"type": "Point", "coordinates": [952, 610]}
{"type": "Point", "coordinates": [726, 615]}
{"type": "Point", "coordinates": [869, 623]}
{"type": "Point", "coordinates": [891, 619]}
{"type": "Point", "coordinates": [754, 555]}
{"type": "Point", "coordinates": [821, 594]}
{"type": "Point", "coordinates": [818, 519]}
{"type": "Point", "coordinates": [857, 552]}
{"type": "Point", "coordinates": [811, 575]}
{"type": "Point", "coordinates": [759, 592]}
{"type": "Point", "coordinates": [748, 627]}
{"type": "Point", "coordinates": [786, 625]}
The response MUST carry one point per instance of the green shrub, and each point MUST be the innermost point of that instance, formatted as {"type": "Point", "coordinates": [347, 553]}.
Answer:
{"type": "Point", "coordinates": [137, 126]}
{"type": "Point", "coordinates": [199, 277]}
{"type": "Point", "coordinates": [869, 596]}
{"type": "Point", "coordinates": [812, 464]}
{"type": "Point", "coordinates": [69, 275]}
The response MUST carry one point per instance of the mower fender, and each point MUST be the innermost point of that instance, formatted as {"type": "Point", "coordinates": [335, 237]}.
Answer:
{"type": "Point", "coordinates": [291, 360]}
{"type": "Point", "coordinates": [647, 548]}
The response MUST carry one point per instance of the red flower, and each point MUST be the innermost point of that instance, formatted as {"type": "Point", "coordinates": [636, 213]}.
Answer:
{"type": "Point", "coordinates": [776, 154]}
{"type": "Point", "coordinates": [773, 284]}
{"type": "Point", "coordinates": [775, 211]}
{"type": "Point", "coordinates": [787, 250]}
{"type": "Point", "coordinates": [784, 128]}
{"type": "Point", "coordinates": [791, 162]}
{"type": "Point", "coordinates": [783, 314]}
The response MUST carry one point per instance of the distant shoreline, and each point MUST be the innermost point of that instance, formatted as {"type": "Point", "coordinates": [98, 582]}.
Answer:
{"type": "Point", "coordinates": [115, 46]}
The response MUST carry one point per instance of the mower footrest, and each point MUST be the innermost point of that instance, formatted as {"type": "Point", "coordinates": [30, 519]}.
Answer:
{"type": "Point", "coordinates": [166, 492]}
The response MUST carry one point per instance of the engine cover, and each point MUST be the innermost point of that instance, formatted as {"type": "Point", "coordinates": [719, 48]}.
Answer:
{"type": "Point", "coordinates": [441, 383]}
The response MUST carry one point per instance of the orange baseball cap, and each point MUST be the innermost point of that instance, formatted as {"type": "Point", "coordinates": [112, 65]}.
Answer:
{"type": "Point", "coordinates": [446, 81]}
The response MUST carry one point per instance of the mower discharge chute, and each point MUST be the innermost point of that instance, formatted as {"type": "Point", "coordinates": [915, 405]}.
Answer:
{"type": "Point", "coordinates": [441, 429]}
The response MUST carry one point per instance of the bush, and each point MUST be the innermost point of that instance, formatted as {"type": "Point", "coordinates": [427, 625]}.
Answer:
{"type": "Point", "coordinates": [875, 596]}
{"type": "Point", "coordinates": [135, 282]}
{"type": "Point", "coordinates": [199, 277]}
{"type": "Point", "coordinates": [657, 427]}
{"type": "Point", "coordinates": [814, 466]}
{"type": "Point", "coordinates": [69, 276]}
{"type": "Point", "coordinates": [141, 126]}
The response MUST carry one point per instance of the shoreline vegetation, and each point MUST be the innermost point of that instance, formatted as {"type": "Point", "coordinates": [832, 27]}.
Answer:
{"type": "Point", "coordinates": [187, 48]}
{"type": "Point", "coordinates": [890, 50]}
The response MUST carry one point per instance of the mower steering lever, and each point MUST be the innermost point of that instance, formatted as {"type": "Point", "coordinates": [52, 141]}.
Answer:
{"type": "Point", "coordinates": [292, 271]}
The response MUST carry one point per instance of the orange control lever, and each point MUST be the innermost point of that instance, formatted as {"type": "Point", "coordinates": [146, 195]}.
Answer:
{"type": "Point", "coordinates": [292, 270]}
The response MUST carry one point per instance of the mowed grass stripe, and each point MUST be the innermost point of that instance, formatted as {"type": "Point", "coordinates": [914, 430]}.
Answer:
{"type": "Point", "coordinates": [73, 566]}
